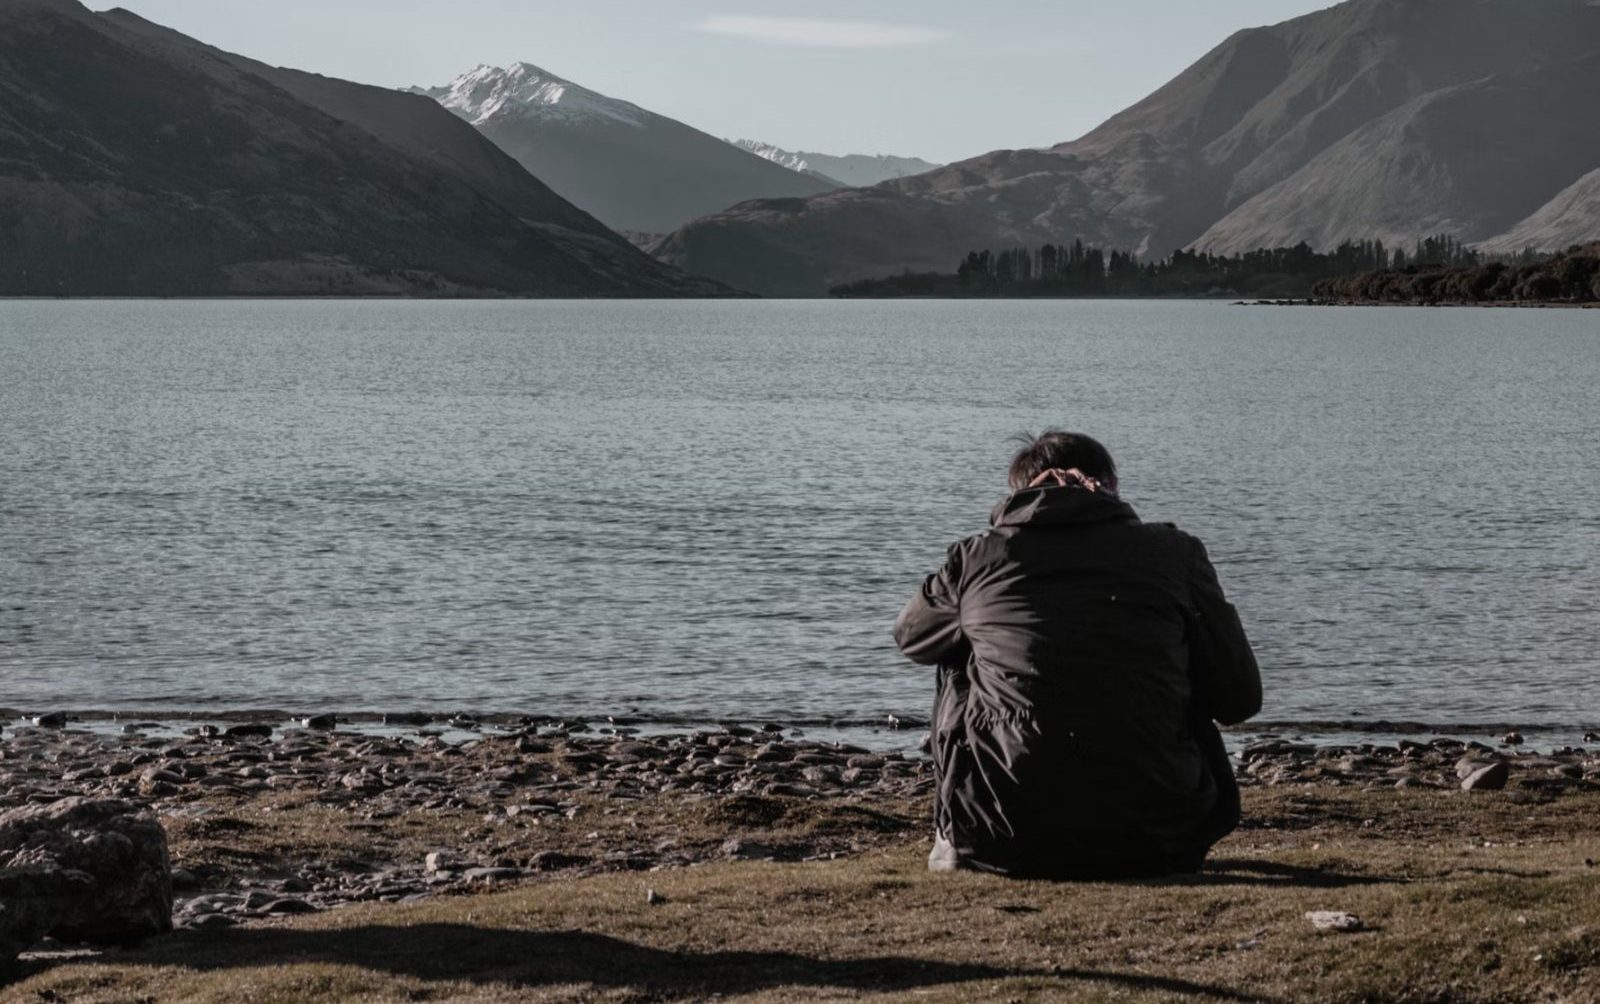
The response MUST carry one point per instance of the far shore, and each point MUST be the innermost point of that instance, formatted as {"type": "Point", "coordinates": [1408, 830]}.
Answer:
{"type": "Point", "coordinates": [1504, 305]}
{"type": "Point", "coordinates": [1225, 298]}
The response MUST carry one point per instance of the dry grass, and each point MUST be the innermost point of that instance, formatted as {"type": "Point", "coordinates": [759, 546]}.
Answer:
{"type": "Point", "coordinates": [1469, 899]}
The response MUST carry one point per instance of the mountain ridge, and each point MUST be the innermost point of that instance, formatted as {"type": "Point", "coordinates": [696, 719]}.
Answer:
{"type": "Point", "coordinates": [855, 170]}
{"type": "Point", "coordinates": [137, 161]}
{"type": "Point", "coordinates": [1182, 167]}
{"type": "Point", "coordinates": [1569, 219]}
{"type": "Point", "coordinates": [485, 91]}
{"type": "Point", "coordinates": [633, 169]}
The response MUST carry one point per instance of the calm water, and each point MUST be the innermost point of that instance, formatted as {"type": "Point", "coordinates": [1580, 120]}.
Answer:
{"type": "Point", "coordinates": [716, 509]}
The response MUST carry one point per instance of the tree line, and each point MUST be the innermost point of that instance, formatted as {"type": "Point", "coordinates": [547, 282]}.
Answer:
{"type": "Point", "coordinates": [1572, 276]}
{"type": "Point", "coordinates": [1078, 269]}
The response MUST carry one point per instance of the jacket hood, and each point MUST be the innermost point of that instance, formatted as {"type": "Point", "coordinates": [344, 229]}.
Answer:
{"type": "Point", "coordinates": [1046, 506]}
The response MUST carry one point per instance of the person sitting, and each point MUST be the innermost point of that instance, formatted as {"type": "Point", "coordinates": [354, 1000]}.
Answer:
{"type": "Point", "coordinates": [1083, 659]}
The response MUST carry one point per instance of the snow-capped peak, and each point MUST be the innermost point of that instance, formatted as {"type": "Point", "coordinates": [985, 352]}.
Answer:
{"type": "Point", "coordinates": [490, 91]}
{"type": "Point", "coordinates": [855, 169]}
{"type": "Point", "coordinates": [793, 161]}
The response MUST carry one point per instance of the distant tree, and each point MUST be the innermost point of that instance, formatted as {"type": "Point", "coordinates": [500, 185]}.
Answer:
{"type": "Point", "coordinates": [1005, 268]}
{"type": "Point", "coordinates": [1358, 270]}
{"type": "Point", "coordinates": [1047, 261]}
{"type": "Point", "coordinates": [1575, 271]}
{"type": "Point", "coordinates": [1539, 284]}
{"type": "Point", "coordinates": [1482, 282]}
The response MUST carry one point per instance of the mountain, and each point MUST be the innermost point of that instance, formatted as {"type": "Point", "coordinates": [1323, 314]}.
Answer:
{"type": "Point", "coordinates": [856, 170]}
{"type": "Point", "coordinates": [1469, 160]}
{"type": "Point", "coordinates": [1373, 118]}
{"type": "Point", "coordinates": [633, 169]}
{"type": "Point", "coordinates": [1572, 217]}
{"type": "Point", "coordinates": [137, 161]}
{"type": "Point", "coordinates": [785, 158]}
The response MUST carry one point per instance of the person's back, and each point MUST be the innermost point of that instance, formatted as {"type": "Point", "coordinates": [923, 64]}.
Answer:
{"type": "Point", "coordinates": [1083, 657]}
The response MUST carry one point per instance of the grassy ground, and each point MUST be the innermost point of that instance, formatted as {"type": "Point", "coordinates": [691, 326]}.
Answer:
{"type": "Point", "coordinates": [279, 833]}
{"type": "Point", "coordinates": [1480, 898]}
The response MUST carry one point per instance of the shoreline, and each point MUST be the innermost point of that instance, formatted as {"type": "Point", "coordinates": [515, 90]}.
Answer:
{"type": "Point", "coordinates": [309, 863]}
{"type": "Point", "coordinates": [267, 821]}
{"type": "Point", "coordinates": [880, 733]}
{"type": "Point", "coordinates": [892, 721]}
{"type": "Point", "coordinates": [1231, 299]}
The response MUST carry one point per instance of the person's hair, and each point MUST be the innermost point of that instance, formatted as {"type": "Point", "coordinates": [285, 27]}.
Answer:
{"type": "Point", "coordinates": [1061, 449]}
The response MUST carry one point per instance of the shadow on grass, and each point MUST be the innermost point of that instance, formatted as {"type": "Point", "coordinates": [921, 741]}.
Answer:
{"type": "Point", "coordinates": [526, 959]}
{"type": "Point", "coordinates": [1250, 871]}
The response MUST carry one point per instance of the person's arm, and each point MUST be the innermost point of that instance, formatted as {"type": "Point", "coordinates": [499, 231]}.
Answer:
{"type": "Point", "coordinates": [1224, 666]}
{"type": "Point", "coordinates": [928, 630]}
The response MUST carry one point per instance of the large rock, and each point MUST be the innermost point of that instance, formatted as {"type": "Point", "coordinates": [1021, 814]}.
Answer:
{"type": "Point", "coordinates": [82, 870]}
{"type": "Point", "coordinates": [1489, 777]}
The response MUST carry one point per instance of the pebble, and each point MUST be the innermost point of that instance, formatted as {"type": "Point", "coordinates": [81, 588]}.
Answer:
{"type": "Point", "coordinates": [1335, 920]}
{"type": "Point", "coordinates": [438, 861]}
{"type": "Point", "coordinates": [742, 849]}
{"type": "Point", "coordinates": [285, 907]}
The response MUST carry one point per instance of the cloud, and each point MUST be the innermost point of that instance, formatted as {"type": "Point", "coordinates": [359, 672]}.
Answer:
{"type": "Point", "coordinates": [818, 34]}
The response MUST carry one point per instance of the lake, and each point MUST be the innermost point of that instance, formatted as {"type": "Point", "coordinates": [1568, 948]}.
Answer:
{"type": "Point", "coordinates": [713, 510]}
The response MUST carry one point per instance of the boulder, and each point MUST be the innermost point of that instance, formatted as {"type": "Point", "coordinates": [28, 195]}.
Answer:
{"type": "Point", "coordinates": [1489, 777]}
{"type": "Point", "coordinates": [82, 870]}
{"type": "Point", "coordinates": [30, 901]}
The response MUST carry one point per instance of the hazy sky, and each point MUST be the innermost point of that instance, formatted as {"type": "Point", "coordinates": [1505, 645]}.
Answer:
{"type": "Point", "coordinates": [941, 79]}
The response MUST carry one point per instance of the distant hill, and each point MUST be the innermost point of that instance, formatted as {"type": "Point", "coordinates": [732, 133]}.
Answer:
{"type": "Point", "coordinates": [1385, 119]}
{"type": "Point", "coordinates": [1572, 217]}
{"type": "Point", "coordinates": [856, 170]}
{"type": "Point", "coordinates": [633, 169]}
{"type": "Point", "coordinates": [137, 161]}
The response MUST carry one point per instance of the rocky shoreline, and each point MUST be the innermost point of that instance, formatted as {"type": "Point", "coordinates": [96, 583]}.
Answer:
{"type": "Point", "coordinates": [268, 822]}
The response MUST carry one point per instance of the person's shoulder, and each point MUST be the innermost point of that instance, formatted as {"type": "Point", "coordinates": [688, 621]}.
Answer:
{"type": "Point", "coordinates": [975, 546]}
{"type": "Point", "coordinates": [1176, 535]}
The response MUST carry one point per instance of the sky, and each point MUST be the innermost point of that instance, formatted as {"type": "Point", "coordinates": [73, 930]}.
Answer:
{"type": "Point", "coordinates": [937, 79]}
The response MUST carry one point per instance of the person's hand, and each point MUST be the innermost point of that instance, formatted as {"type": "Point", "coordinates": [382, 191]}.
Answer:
{"type": "Point", "coordinates": [1073, 478]}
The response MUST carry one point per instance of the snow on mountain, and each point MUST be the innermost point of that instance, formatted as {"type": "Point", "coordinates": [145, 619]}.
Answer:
{"type": "Point", "coordinates": [488, 91]}
{"type": "Point", "coordinates": [321, 185]}
{"type": "Point", "coordinates": [637, 171]}
{"type": "Point", "coordinates": [856, 170]}
{"type": "Point", "coordinates": [793, 161]}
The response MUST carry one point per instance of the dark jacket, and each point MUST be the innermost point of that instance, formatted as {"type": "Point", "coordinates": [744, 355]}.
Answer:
{"type": "Point", "coordinates": [1083, 657]}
